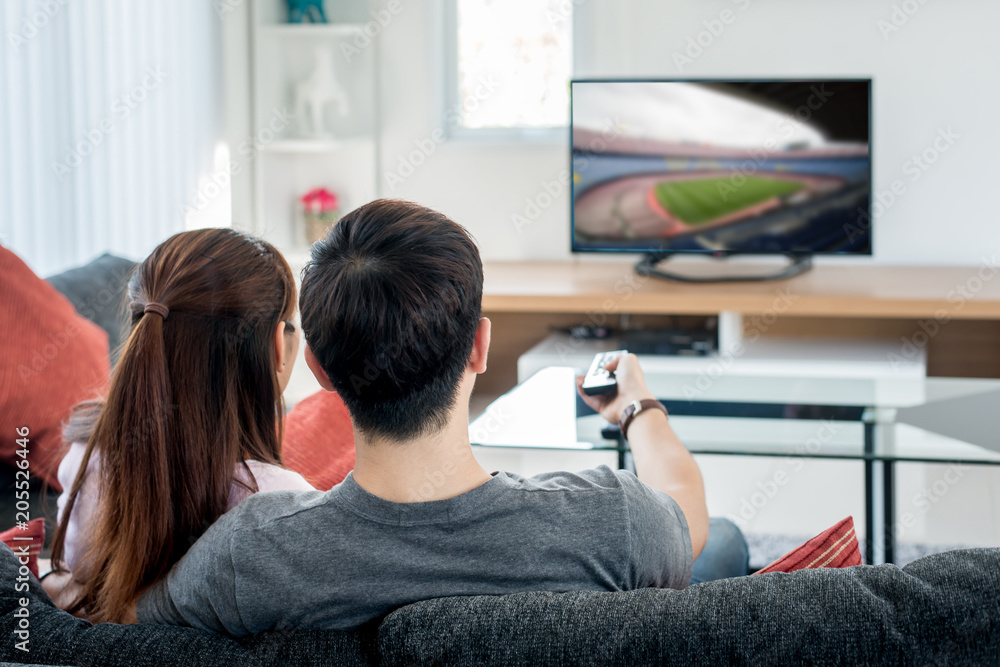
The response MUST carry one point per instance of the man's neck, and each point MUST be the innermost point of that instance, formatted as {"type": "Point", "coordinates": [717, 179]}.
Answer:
{"type": "Point", "coordinates": [431, 467]}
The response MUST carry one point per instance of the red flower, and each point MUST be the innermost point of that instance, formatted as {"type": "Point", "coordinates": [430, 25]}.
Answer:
{"type": "Point", "coordinates": [320, 200]}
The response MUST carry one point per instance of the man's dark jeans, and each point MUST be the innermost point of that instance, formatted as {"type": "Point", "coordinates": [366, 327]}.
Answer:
{"type": "Point", "coordinates": [725, 554]}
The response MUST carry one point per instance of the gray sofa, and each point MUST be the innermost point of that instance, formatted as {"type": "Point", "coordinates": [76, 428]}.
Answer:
{"type": "Point", "coordinates": [939, 610]}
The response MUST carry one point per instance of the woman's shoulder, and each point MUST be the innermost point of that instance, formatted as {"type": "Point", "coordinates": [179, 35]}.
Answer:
{"type": "Point", "coordinates": [71, 462]}
{"type": "Point", "coordinates": [270, 477]}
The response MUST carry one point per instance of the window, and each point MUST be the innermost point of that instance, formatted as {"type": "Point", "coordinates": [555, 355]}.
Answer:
{"type": "Point", "coordinates": [509, 66]}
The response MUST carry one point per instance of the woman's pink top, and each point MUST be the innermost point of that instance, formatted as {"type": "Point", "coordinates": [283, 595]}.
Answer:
{"type": "Point", "coordinates": [81, 523]}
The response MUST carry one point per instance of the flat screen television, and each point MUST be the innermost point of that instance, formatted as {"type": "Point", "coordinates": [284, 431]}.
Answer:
{"type": "Point", "coordinates": [721, 166]}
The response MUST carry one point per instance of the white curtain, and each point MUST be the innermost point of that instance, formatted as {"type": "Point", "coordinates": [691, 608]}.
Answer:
{"type": "Point", "coordinates": [109, 116]}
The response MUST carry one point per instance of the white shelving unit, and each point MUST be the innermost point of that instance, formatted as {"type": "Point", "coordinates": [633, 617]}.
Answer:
{"type": "Point", "coordinates": [765, 357]}
{"type": "Point", "coordinates": [288, 161]}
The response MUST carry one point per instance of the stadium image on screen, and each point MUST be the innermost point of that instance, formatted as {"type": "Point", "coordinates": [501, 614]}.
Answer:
{"type": "Point", "coordinates": [721, 166]}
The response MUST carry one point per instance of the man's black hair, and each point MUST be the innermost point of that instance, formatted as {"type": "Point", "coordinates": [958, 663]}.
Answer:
{"type": "Point", "coordinates": [390, 303]}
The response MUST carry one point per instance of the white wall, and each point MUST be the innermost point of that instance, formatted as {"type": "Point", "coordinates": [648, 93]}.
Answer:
{"type": "Point", "coordinates": [936, 71]}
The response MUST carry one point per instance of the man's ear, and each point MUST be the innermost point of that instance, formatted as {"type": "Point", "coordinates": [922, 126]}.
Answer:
{"type": "Point", "coordinates": [317, 370]}
{"type": "Point", "coordinates": [480, 347]}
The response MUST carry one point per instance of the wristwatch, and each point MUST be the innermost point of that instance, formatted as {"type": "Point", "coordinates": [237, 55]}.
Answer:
{"type": "Point", "coordinates": [635, 408]}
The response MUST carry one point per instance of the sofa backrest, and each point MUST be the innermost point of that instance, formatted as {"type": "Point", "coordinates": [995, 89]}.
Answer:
{"type": "Point", "coordinates": [98, 290]}
{"type": "Point", "coordinates": [943, 609]}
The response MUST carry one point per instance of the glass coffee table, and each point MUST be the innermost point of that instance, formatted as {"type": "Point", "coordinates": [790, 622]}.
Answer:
{"type": "Point", "coordinates": [819, 418]}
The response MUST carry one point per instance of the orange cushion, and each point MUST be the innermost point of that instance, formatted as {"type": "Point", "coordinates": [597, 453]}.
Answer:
{"type": "Point", "coordinates": [319, 440]}
{"type": "Point", "coordinates": [52, 359]}
{"type": "Point", "coordinates": [26, 541]}
{"type": "Point", "coordinates": [834, 547]}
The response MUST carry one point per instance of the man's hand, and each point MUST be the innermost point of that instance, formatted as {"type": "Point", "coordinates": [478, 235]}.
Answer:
{"type": "Point", "coordinates": [631, 387]}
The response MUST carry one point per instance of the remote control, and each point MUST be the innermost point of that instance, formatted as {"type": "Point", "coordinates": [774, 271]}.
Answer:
{"type": "Point", "coordinates": [599, 381]}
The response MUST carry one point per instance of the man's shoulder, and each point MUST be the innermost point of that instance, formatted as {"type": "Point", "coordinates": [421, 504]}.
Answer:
{"type": "Point", "coordinates": [600, 484]}
{"type": "Point", "coordinates": [599, 479]}
{"type": "Point", "coordinates": [269, 507]}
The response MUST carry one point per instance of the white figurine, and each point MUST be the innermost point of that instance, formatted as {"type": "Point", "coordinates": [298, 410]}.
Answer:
{"type": "Point", "coordinates": [313, 93]}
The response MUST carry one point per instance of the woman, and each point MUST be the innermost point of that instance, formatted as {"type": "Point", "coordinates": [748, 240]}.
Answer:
{"type": "Point", "coordinates": [192, 422]}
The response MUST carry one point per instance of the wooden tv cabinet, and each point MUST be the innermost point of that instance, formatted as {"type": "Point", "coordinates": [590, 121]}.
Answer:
{"type": "Point", "coordinates": [951, 312]}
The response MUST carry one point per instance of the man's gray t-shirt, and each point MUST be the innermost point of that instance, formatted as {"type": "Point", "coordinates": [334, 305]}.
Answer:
{"type": "Point", "coordinates": [335, 560]}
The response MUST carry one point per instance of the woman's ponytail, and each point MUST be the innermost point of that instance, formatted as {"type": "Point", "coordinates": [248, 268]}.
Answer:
{"type": "Point", "coordinates": [134, 531]}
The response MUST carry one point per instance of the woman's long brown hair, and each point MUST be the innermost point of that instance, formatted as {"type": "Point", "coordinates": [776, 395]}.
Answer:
{"type": "Point", "coordinates": [193, 395]}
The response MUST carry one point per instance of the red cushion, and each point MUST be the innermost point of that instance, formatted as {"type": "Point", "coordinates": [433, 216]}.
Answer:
{"type": "Point", "coordinates": [834, 547]}
{"type": "Point", "coordinates": [52, 359]}
{"type": "Point", "coordinates": [26, 541]}
{"type": "Point", "coordinates": [319, 440]}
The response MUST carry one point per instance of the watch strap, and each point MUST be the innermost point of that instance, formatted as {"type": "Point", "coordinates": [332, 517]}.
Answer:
{"type": "Point", "coordinates": [635, 408]}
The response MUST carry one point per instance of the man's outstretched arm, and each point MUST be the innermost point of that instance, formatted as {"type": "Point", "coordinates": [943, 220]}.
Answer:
{"type": "Point", "coordinates": [661, 460]}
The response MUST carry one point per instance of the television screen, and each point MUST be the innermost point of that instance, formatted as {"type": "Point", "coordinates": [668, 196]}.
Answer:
{"type": "Point", "coordinates": [721, 166]}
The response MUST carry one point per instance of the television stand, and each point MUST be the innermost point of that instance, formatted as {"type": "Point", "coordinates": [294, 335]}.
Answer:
{"type": "Point", "coordinates": [800, 263]}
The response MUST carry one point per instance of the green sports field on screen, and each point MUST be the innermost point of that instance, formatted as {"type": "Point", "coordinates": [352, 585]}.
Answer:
{"type": "Point", "coordinates": [698, 201]}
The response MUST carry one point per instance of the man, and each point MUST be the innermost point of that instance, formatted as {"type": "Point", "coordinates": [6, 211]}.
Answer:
{"type": "Point", "coordinates": [391, 312]}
